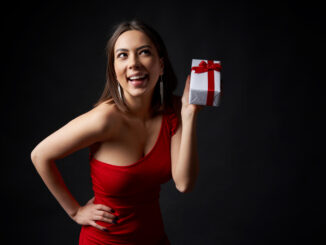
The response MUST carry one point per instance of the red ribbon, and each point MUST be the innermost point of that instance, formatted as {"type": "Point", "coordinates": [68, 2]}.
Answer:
{"type": "Point", "coordinates": [209, 67]}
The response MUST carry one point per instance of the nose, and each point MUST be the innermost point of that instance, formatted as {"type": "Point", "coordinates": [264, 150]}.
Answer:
{"type": "Point", "coordinates": [133, 62]}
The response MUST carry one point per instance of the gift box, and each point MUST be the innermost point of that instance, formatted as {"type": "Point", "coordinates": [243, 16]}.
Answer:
{"type": "Point", "coordinates": [205, 82]}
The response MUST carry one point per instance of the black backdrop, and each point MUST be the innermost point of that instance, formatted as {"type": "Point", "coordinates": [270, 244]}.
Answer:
{"type": "Point", "coordinates": [260, 164]}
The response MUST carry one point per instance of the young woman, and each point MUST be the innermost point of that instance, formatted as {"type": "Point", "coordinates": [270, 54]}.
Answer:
{"type": "Point", "coordinates": [140, 136]}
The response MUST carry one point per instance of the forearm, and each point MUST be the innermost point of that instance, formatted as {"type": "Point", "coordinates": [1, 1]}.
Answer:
{"type": "Point", "coordinates": [52, 178]}
{"type": "Point", "coordinates": [187, 167]}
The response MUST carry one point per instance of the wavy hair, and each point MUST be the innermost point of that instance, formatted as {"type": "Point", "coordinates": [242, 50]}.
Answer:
{"type": "Point", "coordinates": [110, 93]}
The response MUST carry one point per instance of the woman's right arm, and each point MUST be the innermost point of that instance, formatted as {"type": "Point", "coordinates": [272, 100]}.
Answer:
{"type": "Point", "coordinates": [93, 126]}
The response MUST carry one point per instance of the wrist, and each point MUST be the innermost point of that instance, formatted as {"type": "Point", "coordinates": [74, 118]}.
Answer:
{"type": "Point", "coordinates": [189, 116]}
{"type": "Point", "coordinates": [74, 212]}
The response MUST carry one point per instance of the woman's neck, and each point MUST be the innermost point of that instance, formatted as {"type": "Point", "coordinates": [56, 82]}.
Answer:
{"type": "Point", "coordinates": [140, 106]}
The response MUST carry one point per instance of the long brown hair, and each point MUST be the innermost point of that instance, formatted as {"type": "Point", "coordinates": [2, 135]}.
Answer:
{"type": "Point", "coordinates": [110, 92]}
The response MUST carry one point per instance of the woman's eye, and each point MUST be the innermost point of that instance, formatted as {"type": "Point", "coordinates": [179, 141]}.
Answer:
{"type": "Point", "coordinates": [146, 51]}
{"type": "Point", "coordinates": [119, 55]}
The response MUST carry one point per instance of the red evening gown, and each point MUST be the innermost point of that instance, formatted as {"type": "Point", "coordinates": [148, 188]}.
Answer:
{"type": "Point", "coordinates": [133, 193]}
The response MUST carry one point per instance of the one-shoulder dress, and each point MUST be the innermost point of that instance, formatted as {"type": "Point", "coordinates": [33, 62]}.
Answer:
{"type": "Point", "coordinates": [133, 193]}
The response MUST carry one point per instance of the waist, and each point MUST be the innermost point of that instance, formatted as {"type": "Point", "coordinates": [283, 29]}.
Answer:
{"type": "Point", "coordinates": [127, 206]}
{"type": "Point", "coordinates": [137, 199]}
{"type": "Point", "coordinates": [135, 223]}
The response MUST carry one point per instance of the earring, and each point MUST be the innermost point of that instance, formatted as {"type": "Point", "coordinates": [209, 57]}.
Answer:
{"type": "Point", "coordinates": [161, 90]}
{"type": "Point", "coordinates": [119, 88]}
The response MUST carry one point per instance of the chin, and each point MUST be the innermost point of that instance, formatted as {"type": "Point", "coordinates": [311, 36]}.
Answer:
{"type": "Point", "coordinates": [140, 92]}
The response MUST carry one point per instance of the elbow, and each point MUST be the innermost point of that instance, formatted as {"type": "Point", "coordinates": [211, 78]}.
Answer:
{"type": "Point", "coordinates": [185, 189]}
{"type": "Point", "coordinates": [188, 186]}
{"type": "Point", "coordinates": [33, 156]}
{"type": "Point", "coordinates": [39, 158]}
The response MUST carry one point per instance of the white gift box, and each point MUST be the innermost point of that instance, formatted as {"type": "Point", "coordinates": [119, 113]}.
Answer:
{"type": "Point", "coordinates": [205, 82]}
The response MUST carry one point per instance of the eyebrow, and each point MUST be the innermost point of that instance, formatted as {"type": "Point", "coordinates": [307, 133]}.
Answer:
{"type": "Point", "coordinates": [144, 46]}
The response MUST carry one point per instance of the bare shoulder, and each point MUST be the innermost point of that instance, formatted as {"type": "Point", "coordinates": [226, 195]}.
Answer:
{"type": "Point", "coordinates": [103, 111]}
{"type": "Point", "coordinates": [106, 116]}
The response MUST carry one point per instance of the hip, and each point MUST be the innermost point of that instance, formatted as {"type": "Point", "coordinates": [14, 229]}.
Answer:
{"type": "Point", "coordinates": [90, 235]}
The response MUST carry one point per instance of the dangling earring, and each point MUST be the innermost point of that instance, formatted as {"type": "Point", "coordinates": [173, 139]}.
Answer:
{"type": "Point", "coordinates": [119, 88]}
{"type": "Point", "coordinates": [161, 90]}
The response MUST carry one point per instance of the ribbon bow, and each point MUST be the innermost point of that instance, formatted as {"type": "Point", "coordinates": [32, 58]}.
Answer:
{"type": "Point", "coordinates": [204, 67]}
{"type": "Point", "coordinates": [208, 67]}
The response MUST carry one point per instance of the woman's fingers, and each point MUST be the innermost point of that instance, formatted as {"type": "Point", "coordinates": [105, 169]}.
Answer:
{"type": "Point", "coordinates": [103, 207]}
{"type": "Point", "coordinates": [104, 214]}
{"type": "Point", "coordinates": [90, 213]}
{"type": "Point", "coordinates": [92, 223]}
{"type": "Point", "coordinates": [101, 218]}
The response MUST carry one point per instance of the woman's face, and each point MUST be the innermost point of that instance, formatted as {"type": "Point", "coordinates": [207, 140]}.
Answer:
{"type": "Point", "coordinates": [136, 63]}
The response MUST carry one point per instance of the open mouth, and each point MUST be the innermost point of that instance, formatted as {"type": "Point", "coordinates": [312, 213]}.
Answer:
{"type": "Point", "coordinates": [138, 80]}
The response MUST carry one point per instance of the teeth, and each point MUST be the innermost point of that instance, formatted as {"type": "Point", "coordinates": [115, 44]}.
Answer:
{"type": "Point", "coordinates": [136, 77]}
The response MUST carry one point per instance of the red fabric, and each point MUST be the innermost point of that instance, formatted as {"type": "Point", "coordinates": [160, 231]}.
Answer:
{"type": "Point", "coordinates": [133, 192]}
{"type": "Point", "coordinates": [206, 67]}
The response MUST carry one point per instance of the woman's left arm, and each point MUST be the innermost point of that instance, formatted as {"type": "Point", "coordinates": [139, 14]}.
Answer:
{"type": "Point", "coordinates": [184, 156]}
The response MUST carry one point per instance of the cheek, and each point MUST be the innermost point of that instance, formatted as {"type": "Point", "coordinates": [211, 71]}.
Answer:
{"type": "Point", "coordinates": [153, 65]}
{"type": "Point", "coordinates": [118, 70]}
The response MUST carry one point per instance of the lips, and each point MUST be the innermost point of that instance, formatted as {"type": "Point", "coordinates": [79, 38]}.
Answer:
{"type": "Point", "coordinates": [138, 81]}
{"type": "Point", "coordinates": [137, 77]}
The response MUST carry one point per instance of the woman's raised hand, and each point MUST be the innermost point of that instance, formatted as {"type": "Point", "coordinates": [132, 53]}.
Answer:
{"type": "Point", "coordinates": [88, 214]}
{"type": "Point", "coordinates": [188, 109]}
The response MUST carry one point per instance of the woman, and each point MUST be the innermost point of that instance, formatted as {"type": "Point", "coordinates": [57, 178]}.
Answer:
{"type": "Point", "coordinates": [139, 134]}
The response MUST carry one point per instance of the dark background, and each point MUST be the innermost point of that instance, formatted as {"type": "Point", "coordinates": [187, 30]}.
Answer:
{"type": "Point", "coordinates": [260, 151]}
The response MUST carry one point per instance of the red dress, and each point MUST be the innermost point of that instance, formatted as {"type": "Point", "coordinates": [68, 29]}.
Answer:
{"type": "Point", "coordinates": [133, 193]}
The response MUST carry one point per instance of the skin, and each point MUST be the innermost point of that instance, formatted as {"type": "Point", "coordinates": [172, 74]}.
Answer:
{"type": "Point", "coordinates": [103, 124]}
{"type": "Point", "coordinates": [145, 60]}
